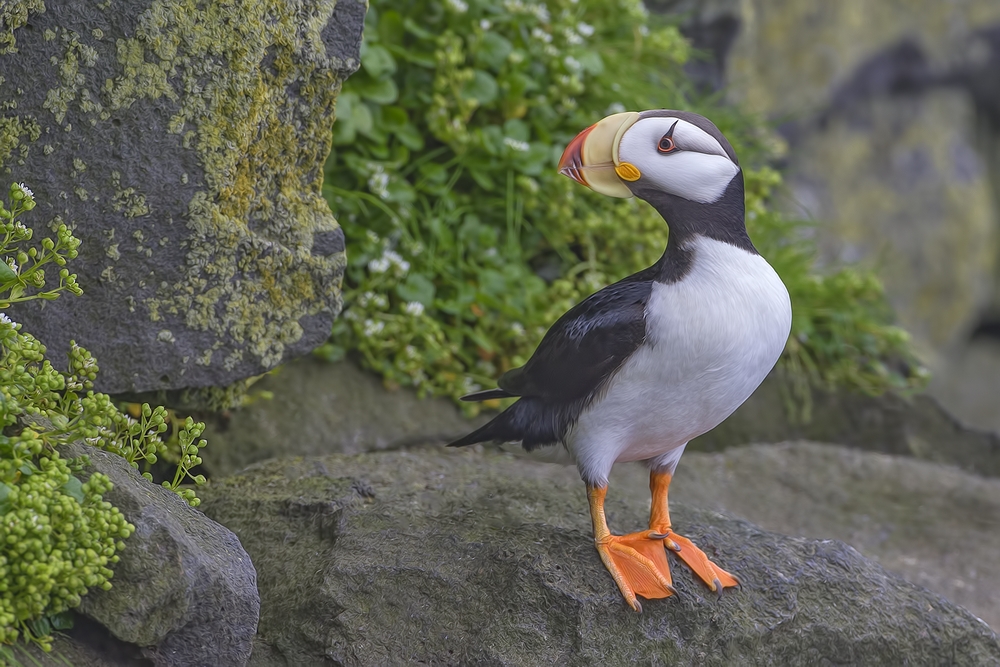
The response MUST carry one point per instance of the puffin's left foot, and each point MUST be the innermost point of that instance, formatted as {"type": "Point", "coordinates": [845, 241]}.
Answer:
{"type": "Point", "coordinates": [713, 575]}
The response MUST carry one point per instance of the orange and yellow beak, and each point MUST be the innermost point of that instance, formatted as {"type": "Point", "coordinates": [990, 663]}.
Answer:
{"type": "Point", "coordinates": [591, 158]}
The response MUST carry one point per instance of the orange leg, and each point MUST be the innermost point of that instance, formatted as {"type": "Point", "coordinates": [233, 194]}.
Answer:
{"type": "Point", "coordinates": [695, 558]}
{"type": "Point", "coordinates": [637, 563]}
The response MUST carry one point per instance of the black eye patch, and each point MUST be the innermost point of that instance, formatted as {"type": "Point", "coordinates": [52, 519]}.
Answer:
{"type": "Point", "coordinates": [666, 143]}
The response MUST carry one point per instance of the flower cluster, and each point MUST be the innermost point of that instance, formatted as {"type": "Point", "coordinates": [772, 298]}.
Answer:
{"type": "Point", "coordinates": [58, 536]}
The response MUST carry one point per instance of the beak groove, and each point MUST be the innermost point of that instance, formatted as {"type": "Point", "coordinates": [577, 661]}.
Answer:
{"type": "Point", "coordinates": [571, 162]}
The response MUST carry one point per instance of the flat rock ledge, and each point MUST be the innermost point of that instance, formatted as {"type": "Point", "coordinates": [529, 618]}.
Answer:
{"type": "Point", "coordinates": [476, 557]}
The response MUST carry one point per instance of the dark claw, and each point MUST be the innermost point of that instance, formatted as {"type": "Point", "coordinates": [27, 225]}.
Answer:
{"type": "Point", "coordinates": [658, 536]}
{"type": "Point", "coordinates": [639, 605]}
{"type": "Point", "coordinates": [718, 586]}
{"type": "Point", "coordinates": [672, 590]}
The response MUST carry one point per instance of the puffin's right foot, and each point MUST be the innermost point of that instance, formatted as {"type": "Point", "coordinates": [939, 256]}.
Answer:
{"type": "Point", "coordinates": [638, 564]}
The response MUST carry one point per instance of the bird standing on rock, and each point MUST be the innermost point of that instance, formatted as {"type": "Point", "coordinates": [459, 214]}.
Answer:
{"type": "Point", "coordinates": [636, 370]}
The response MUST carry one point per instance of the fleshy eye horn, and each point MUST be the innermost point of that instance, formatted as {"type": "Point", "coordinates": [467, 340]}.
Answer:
{"type": "Point", "coordinates": [666, 145]}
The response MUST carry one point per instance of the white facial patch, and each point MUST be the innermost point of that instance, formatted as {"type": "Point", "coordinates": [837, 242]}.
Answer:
{"type": "Point", "coordinates": [699, 170]}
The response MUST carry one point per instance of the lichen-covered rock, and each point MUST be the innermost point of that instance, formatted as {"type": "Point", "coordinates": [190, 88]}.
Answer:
{"type": "Point", "coordinates": [186, 150]}
{"type": "Point", "coordinates": [466, 557]}
{"type": "Point", "coordinates": [184, 589]}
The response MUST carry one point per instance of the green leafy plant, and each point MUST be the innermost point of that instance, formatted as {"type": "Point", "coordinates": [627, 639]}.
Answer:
{"type": "Point", "coordinates": [465, 244]}
{"type": "Point", "coordinates": [58, 536]}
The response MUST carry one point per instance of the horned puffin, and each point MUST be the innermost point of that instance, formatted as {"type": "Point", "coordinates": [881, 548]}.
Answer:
{"type": "Point", "coordinates": [636, 370]}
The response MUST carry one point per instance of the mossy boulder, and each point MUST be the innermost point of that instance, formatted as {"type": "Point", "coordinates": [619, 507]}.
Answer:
{"type": "Point", "coordinates": [185, 149]}
{"type": "Point", "coordinates": [470, 557]}
{"type": "Point", "coordinates": [185, 590]}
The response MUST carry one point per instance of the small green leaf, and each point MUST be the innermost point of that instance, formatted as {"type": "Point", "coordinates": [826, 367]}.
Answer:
{"type": "Point", "coordinates": [4, 502]}
{"type": "Point", "coordinates": [74, 489]}
{"type": "Point", "coordinates": [493, 51]}
{"type": "Point", "coordinates": [410, 137]}
{"type": "Point", "coordinates": [482, 88]}
{"type": "Point", "coordinates": [27, 470]}
{"type": "Point", "coordinates": [416, 288]}
{"type": "Point", "coordinates": [517, 129]}
{"type": "Point", "coordinates": [62, 621]}
{"type": "Point", "coordinates": [394, 118]}
{"type": "Point", "coordinates": [377, 60]}
{"type": "Point", "coordinates": [390, 28]}
{"type": "Point", "coordinates": [6, 273]}
{"type": "Point", "coordinates": [380, 91]}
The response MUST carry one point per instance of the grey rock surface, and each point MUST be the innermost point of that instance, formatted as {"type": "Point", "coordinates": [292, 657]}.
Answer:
{"type": "Point", "coordinates": [470, 557]}
{"type": "Point", "coordinates": [322, 408]}
{"type": "Point", "coordinates": [186, 151]}
{"type": "Point", "coordinates": [934, 525]}
{"type": "Point", "coordinates": [914, 426]}
{"type": "Point", "coordinates": [185, 589]}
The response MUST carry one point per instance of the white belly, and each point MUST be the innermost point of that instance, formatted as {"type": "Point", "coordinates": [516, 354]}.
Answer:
{"type": "Point", "coordinates": [711, 339]}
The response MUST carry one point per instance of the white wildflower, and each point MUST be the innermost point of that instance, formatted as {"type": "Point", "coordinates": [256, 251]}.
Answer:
{"type": "Point", "coordinates": [373, 327]}
{"type": "Point", "coordinates": [459, 6]}
{"type": "Point", "coordinates": [396, 260]}
{"type": "Point", "coordinates": [414, 308]}
{"type": "Point", "coordinates": [517, 329]}
{"type": "Point", "coordinates": [541, 12]}
{"type": "Point", "coordinates": [541, 35]}
{"type": "Point", "coordinates": [6, 320]}
{"type": "Point", "coordinates": [572, 63]}
{"type": "Point", "coordinates": [380, 265]}
{"type": "Point", "coordinates": [516, 144]}
{"type": "Point", "coordinates": [485, 24]}
{"type": "Point", "coordinates": [372, 236]}
{"type": "Point", "coordinates": [644, 30]}
{"type": "Point", "coordinates": [25, 191]}
{"type": "Point", "coordinates": [380, 301]}
{"type": "Point", "coordinates": [572, 38]}
{"type": "Point", "coordinates": [551, 51]}
{"type": "Point", "coordinates": [12, 264]}
{"type": "Point", "coordinates": [410, 352]}
{"type": "Point", "coordinates": [378, 182]}
{"type": "Point", "coordinates": [585, 29]}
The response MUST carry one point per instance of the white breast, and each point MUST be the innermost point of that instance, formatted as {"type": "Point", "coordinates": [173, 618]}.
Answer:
{"type": "Point", "coordinates": [711, 338]}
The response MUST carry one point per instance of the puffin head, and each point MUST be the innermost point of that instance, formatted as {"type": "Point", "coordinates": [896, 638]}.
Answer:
{"type": "Point", "coordinates": [652, 153]}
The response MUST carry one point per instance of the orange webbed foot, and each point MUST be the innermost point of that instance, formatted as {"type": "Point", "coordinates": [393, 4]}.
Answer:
{"type": "Point", "coordinates": [714, 576]}
{"type": "Point", "coordinates": [638, 564]}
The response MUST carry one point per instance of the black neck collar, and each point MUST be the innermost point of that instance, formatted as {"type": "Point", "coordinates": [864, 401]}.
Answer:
{"type": "Point", "coordinates": [722, 220]}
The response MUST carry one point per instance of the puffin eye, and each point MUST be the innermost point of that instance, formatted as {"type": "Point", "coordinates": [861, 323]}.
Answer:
{"type": "Point", "coordinates": [666, 144]}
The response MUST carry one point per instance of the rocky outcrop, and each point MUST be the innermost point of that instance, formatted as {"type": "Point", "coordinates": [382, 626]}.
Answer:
{"type": "Point", "coordinates": [184, 590]}
{"type": "Point", "coordinates": [317, 408]}
{"type": "Point", "coordinates": [915, 426]}
{"type": "Point", "coordinates": [932, 524]}
{"type": "Point", "coordinates": [467, 557]}
{"type": "Point", "coordinates": [186, 150]}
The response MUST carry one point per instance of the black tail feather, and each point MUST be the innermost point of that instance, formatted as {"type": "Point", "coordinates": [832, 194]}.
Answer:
{"type": "Point", "coordinates": [486, 395]}
{"type": "Point", "coordinates": [527, 422]}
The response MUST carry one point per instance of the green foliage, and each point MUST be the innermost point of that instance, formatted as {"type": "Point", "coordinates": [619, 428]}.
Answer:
{"type": "Point", "coordinates": [58, 535]}
{"type": "Point", "coordinates": [465, 244]}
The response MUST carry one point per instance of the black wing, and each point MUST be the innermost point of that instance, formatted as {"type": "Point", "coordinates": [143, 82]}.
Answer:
{"type": "Point", "coordinates": [585, 346]}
